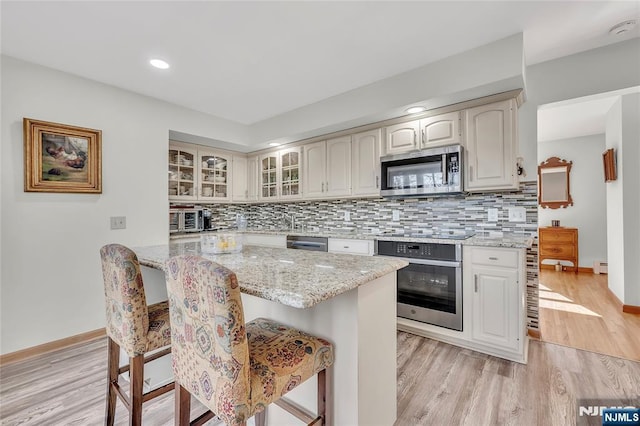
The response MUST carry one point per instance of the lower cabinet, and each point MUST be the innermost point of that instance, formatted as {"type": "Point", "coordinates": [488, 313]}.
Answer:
{"type": "Point", "coordinates": [350, 246]}
{"type": "Point", "coordinates": [266, 240]}
{"type": "Point", "coordinates": [495, 307]}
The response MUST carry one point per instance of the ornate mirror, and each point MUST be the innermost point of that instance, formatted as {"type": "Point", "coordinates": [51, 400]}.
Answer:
{"type": "Point", "coordinates": [553, 183]}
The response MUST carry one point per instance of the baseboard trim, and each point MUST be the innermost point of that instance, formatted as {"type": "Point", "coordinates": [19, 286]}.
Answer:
{"type": "Point", "coordinates": [44, 348]}
{"type": "Point", "coordinates": [536, 334]}
{"type": "Point", "coordinates": [631, 309]}
{"type": "Point", "coordinates": [628, 309]}
{"type": "Point", "coordinates": [567, 268]}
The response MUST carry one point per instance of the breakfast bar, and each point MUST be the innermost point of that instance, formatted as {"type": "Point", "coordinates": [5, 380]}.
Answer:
{"type": "Point", "coordinates": [349, 300]}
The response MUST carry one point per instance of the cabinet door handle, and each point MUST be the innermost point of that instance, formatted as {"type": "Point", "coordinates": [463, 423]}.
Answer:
{"type": "Point", "coordinates": [345, 247]}
{"type": "Point", "coordinates": [422, 141]}
{"type": "Point", "coordinates": [415, 137]}
{"type": "Point", "coordinates": [470, 173]}
{"type": "Point", "coordinates": [493, 258]}
{"type": "Point", "coordinates": [475, 282]}
{"type": "Point", "coordinates": [322, 187]}
{"type": "Point", "coordinates": [377, 182]}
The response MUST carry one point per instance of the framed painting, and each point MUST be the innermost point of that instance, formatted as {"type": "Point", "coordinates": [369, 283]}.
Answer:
{"type": "Point", "coordinates": [61, 158]}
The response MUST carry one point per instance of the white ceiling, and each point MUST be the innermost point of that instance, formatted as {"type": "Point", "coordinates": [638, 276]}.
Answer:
{"type": "Point", "coordinates": [249, 61]}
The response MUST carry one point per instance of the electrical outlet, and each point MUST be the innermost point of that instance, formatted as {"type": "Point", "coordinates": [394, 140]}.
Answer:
{"type": "Point", "coordinates": [396, 215]}
{"type": "Point", "coordinates": [347, 216]}
{"type": "Point", "coordinates": [492, 215]}
{"type": "Point", "coordinates": [517, 214]}
{"type": "Point", "coordinates": [118, 222]}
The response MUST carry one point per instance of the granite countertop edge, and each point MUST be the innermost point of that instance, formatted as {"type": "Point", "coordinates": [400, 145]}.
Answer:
{"type": "Point", "coordinates": [507, 240]}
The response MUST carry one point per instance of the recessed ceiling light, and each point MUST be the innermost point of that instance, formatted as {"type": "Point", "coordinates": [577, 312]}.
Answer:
{"type": "Point", "coordinates": [159, 63]}
{"type": "Point", "coordinates": [274, 144]}
{"type": "Point", "coordinates": [415, 109]}
{"type": "Point", "coordinates": [622, 27]}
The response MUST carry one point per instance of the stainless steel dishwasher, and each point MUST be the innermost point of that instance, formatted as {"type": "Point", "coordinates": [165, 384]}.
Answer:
{"type": "Point", "coordinates": [300, 242]}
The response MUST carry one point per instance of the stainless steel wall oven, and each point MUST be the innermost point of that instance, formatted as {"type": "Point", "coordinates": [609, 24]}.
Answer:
{"type": "Point", "coordinates": [430, 288]}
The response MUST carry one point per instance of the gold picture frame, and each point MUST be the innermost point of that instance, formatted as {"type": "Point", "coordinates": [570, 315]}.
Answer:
{"type": "Point", "coordinates": [61, 158]}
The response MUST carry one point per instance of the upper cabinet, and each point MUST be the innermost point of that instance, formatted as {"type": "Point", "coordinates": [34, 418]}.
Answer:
{"type": "Point", "coordinates": [214, 176]}
{"type": "Point", "coordinates": [491, 147]}
{"type": "Point", "coordinates": [240, 191]}
{"type": "Point", "coordinates": [198, 174]}
{"type": "Point", "coordinates": [402, 137]}
{"type": "Point", "coordinates": [182, 173]}
{"type": "Point", "coordinates": [279, 175]}
{"type": "Point", "coordinates": [365, 163]}
{"type": "Point", "coordinates": [440, 130]}
{"type": "Point", "coordinates": [429, 132]}
{"type": "Point", "coordinates": [327, 171]}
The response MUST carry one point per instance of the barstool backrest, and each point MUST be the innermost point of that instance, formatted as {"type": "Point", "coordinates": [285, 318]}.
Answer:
{"type": "Point", "coordinates": [126, 304]}
{"type": "Point", "coordinates": [208, 336]}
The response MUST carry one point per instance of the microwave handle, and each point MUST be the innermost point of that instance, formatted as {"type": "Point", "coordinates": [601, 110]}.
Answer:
{"type": "Point", "coordinates": [445, 178]}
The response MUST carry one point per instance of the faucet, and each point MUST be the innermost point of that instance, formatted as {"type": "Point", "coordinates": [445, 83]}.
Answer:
{"type": "Point", "coordinates": [289, 220]}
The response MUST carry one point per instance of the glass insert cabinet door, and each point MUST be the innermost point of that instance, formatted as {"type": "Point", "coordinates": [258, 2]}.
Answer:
{"type": "Point", "coordinates": [214, 176]}
{"type": "Point", "coordinates": [182, 174]}
{"type": "Point", "coordinates": [290, 172]}
{"type": "Point", "coordinates": [269, 176]}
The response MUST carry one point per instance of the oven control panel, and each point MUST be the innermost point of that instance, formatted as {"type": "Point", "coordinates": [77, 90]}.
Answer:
{"type": "Point", "coordinates": [432, 251]}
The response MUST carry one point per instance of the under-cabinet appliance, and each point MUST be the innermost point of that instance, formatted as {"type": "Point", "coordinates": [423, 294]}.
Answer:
{"type": "Point", "coordinates": [186, 219]}
{"type": "Point", "coordinates": [430, 288]}
{"type": "Point", "coordinates": [428, 172]}
{"type": "Point", "coordinates": [300, 242]}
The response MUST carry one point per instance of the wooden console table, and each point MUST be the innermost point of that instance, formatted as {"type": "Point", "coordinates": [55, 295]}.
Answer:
{"type": "Point", "coordinates": [558, 243]}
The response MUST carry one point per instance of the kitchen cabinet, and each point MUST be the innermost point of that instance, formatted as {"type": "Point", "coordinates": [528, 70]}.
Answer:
{"type": "Point", "coordinates": [401, 137]}
{"type": "Point", "coordinates": [440, 130]}
{"type": "Point", "coordinates": [240, 179]}
{"type": "Point", "coordinates": [266, 240]}
{"type": "Point", "coordinates": [351, 246]}
{"type": "Point", "coordinates": [559, 243]}
{"type": "Point", "coordinates": [327, 168]}
{"type": "Point", "coordinates": [182, 173]}
{"type": "Point", "coordinates": [253, 170]}
{"type": "Point", "coordinates": [279, 175]}
{"type": "Point", "coordinates": [498, 298]}
{"type": "Point", "coordinates": [214, 176]}
{"type": "Point", "coordinates": [491, 146]}
{"type": "Point", "coordinates": [428, 132]}
{"type": "Point", "coordinates": [198, 174]}
{"type": "Point", "coordinates": [365, 163]}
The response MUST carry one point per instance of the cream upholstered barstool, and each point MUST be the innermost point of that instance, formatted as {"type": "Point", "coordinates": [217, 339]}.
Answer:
{"type": "Point", "coordinates": [236, 369]}
{"type": "Point", "coordinates": [132, 326]}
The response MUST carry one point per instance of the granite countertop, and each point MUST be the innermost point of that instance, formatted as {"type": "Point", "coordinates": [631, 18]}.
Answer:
{"type": "Point", "coordinates": [480, 239]}
{"type": "Point", "coordinates": [296, 278]}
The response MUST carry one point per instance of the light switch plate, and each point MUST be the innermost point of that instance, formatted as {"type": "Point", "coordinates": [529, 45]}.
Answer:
{"type": "Point", "coordinates": [492, 215]}
{"type": "Point", "coordinates": [396, 215]}
{"type": "Point", "coordinates": [347, 216]}
{"type": "Point", "coordinates": [118, 222]}
{"type": "Point", "coordinates": [517, 214]}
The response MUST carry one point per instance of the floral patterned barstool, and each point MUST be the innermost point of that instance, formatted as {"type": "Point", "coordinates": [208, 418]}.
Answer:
{"type": "Point", "coordinates": [236, 369]}
{"type": "Point", "coordinates": [132, 326]}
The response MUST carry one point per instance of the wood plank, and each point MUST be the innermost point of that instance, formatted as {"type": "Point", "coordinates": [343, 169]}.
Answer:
{"type": "Point", "coordinates": [580, 311]}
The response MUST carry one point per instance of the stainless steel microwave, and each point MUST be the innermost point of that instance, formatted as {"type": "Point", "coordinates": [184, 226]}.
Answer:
{"type": "Point", "coordinates": [431, 171]}
{"type": "Point", "coordinates": [186, 220]}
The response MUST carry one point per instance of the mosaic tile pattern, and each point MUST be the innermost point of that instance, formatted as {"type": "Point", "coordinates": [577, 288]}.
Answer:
{"type": "Point", "coordinates": [448, 213]}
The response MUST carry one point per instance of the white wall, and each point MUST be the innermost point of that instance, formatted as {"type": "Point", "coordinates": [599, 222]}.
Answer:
{"type": "Point", "coordinates": [51, 282]}
{"type": "Point", "coordinates": [601, 70]}
{"type": "Point", "coordinates": [630, 111]}
{"type": "Point", "coordinates": [588, 191]}
{"type": "Point", "coordinates": [615, 198]}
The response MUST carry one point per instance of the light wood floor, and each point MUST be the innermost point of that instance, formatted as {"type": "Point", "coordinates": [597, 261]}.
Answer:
{"type": "Point", "coordinates": [577, 310]}
{"type": "Point", "coordinates": [438, 384]}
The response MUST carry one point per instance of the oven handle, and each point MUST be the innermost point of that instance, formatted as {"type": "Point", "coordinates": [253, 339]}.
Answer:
{"type": "Point", "coordinates": [451, 264]}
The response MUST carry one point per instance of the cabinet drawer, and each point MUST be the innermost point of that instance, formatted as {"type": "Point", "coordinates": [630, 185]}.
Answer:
{"type": "Point", "coordinates": [550, 250]}
{"type": "Point", "coordinates": [363, 247]}
{"type": "Point", "coordinates": [487, 256]}
{"type": "Point", "coordinates": [557, 236]}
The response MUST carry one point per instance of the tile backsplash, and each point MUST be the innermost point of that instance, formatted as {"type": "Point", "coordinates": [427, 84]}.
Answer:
{"type": "Point", "coordinates": [450, 213]}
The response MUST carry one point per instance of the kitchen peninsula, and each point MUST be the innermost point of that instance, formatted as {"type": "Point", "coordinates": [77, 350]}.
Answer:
{"type": "Point", "coordinates": [349, 300]}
